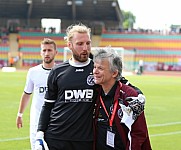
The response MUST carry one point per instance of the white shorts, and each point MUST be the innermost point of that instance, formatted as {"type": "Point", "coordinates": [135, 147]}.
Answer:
{"type": "Point", "coordinates": [33, 131]}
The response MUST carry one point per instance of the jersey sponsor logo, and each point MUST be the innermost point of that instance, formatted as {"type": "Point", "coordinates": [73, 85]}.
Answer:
{"type": "Point", "coordinates": [85, 95]}
{"type": "Point", "coordinates": [43, 89]}
{"type": "Point", "coordinates": [90, 80]}
{"type": "Point", "coordinates": [79, 70]}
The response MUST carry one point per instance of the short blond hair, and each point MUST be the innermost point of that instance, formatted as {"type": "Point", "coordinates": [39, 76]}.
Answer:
{"type": "Point", "coordinates": [49, 41]}
{"type": "Point", "coordinates": [80, 28]}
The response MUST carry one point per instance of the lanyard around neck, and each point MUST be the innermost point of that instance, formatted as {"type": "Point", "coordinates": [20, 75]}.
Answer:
{"type": "Point", "coordinates": [111, 118]}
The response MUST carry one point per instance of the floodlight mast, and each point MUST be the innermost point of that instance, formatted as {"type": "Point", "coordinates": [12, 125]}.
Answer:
{"type": "Point", "coordinates": [30, 6]}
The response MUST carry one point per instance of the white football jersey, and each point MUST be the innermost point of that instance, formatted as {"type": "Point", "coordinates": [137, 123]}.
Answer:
{"type": "Point", "coordinates": [36, 83]}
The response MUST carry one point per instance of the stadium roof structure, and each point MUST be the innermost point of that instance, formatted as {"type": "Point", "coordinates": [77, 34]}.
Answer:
{"type": "Point", "coordinates": [75, 10]}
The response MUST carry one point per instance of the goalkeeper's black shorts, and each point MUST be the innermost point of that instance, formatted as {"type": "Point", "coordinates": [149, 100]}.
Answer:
{"type": "Point", "coordinates": [54, 144]}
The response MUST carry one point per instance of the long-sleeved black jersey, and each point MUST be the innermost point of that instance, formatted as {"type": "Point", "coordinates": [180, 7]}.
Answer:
{"type": "Point", "coordinates": [67, 113]}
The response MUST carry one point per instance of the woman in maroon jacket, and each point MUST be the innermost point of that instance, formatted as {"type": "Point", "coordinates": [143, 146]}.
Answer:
{"type": "Point", "coordinates": [119, 123]}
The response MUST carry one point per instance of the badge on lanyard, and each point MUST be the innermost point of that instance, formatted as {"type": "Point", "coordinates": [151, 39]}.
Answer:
{"type": "Point", "coordinates": [110, 134]}
{"type": "Point", "coordinates": [110, 138]}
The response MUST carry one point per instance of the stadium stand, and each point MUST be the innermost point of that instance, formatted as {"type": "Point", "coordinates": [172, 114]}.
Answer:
{"type": "Point", "coordinates": [158, 51]}
{"type": "Point", "coordinates": [26, 22]}
{"type": "Point", "coordinates": [29, 46]}
{"type": "Point", "coordinates": [30, 13]}
{"type": "Point", "coordinates": [4, 49]}
{"type": "Point", "coordinates": [153, 49]}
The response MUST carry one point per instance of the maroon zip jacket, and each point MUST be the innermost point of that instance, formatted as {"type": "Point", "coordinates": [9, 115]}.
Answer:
{"type": "Point", "coordinates": [139, 132]}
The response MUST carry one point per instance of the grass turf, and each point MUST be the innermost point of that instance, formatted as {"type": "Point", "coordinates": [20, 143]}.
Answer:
{"type": "Point", "coordinates": [162, 110]}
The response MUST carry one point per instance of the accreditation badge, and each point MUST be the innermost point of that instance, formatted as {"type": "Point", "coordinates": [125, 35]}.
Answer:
{"type": "Point", "coordinates": [110, 138]}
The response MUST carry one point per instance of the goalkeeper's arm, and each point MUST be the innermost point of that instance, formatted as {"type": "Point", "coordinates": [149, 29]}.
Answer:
{"type": "Point", "coordinates": [40, 143]}
{"type": "Point", "coordinates": [135, 103]}
{"type": "Point", "coordinates": [45, 116]}
{"type": "Point", "coordinates": [125, 81]}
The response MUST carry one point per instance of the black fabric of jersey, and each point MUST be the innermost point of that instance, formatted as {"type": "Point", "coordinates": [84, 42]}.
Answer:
{"type": "Point", "coordinates": [103, 123]}
{"type": "Point", "coordinates": [71, 117]}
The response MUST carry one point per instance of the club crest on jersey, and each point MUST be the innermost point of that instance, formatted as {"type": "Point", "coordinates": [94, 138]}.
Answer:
{"type": "Point", "coordinates": [120, 113]}
{"type": "Point", "coordinates": [90, 80]}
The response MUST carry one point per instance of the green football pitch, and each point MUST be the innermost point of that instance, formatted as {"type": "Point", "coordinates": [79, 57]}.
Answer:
{"type": "Point", "coordinates": [162, 109]}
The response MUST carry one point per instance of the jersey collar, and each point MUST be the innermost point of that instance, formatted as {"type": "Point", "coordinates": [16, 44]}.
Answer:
{"type": "Point", "coordinates": [79, 64]}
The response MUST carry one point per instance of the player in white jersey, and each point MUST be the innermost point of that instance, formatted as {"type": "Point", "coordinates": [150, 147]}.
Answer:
{"type": "Point", "coordinates": [36, 83]}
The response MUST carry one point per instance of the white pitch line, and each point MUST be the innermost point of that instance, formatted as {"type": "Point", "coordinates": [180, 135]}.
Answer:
{"type": "Point", "coordinates": [164, 124]}
{"type": "Point", "coordinates": [152, 135]}
{"type": "Point", "coordinates": [165, 134]}
{"type": "Point", "coordinates": [14, 139]}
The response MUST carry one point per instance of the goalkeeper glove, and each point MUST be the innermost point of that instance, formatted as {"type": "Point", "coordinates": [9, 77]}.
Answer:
{"type": "Point", "coordinates": [136, 104]}
{"type": "Point", "coordinates": [40, 143]}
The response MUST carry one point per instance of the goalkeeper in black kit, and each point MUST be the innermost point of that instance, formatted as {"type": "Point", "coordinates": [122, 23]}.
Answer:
{"type": "Point", "coordinates": [66, 120]}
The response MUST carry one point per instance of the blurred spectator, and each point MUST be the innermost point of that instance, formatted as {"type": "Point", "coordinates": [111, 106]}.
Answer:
{"type": "Point", "coordinates": [11, 61]}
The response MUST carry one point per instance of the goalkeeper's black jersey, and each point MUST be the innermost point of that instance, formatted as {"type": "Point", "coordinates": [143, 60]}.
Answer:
{"type": "Point", "coordinates": [71, 89]}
